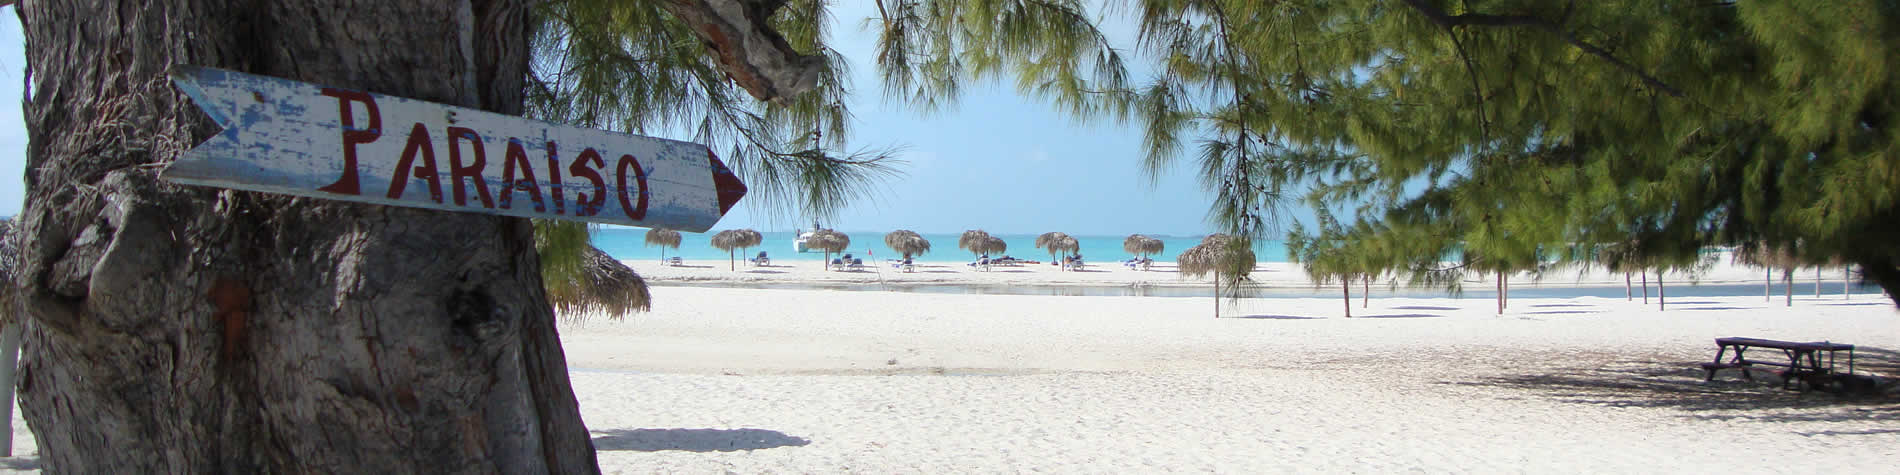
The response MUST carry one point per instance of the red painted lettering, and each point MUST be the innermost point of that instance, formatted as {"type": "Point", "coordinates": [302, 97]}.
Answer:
{"type": "Point", "coordinates": [589, 204]}
{"type": "Point", "coordinates": [418, 146]}
{"type": "Point", "coordinates": [518, 159]}
{"type": "Point", "coordinates": [473, 171]}
{"type": "Point", "coordinates": [352, 136]}
{"type": "Point", "coordinates": [554, 180]}
{"type": "Point", "coordinates": [634, 211]}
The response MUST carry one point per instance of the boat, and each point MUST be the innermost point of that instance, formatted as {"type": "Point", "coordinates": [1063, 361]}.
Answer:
{"type": "Point", "coordinates": [798, 245]}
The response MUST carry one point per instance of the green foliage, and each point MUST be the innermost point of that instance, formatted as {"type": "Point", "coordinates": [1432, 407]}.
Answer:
{"type": "Point", "coordinates": [561, 245]}
{"type": "Point", "coordinates": [1506, 129]}
{"type": "Point", "coordinates": [630, 66]}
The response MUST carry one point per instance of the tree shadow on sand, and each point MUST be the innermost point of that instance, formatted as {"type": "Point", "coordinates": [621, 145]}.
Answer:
{"type": "Point", "coordinates": [1679, 385]}
{"type": "Point", "coordinates": [1402, 315]}
{"type": "Point", "coordinates": [694, 440]}
{"type": "Point", "coordinates": [1424, 307]}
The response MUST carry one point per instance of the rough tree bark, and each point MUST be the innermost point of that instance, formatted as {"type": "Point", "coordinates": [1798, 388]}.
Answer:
{"type": "Point", "coordinates": [752, 53]}
{"type": "Point", "coordinates": [189, 330]}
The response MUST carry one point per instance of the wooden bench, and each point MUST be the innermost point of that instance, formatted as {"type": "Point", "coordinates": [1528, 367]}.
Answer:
{"type": "Point", "coordinates": [1804, 361]}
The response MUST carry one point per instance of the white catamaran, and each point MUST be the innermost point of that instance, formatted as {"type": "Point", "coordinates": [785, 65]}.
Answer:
{"type": "Point", "coordinates": [798, 245]}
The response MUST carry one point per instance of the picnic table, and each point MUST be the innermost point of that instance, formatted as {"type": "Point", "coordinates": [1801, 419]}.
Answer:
{"type": "Point", "coordinates": [1804, 360]}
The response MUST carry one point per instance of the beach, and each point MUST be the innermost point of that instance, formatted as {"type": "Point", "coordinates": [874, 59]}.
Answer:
{"type": "Point", "coordinates": [814, 381]}
{"type": "Point", "coordinates": [753, 380]}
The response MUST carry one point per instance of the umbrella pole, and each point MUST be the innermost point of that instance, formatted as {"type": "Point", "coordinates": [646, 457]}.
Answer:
{"type": "Point", "coordinates": [1216, 295]}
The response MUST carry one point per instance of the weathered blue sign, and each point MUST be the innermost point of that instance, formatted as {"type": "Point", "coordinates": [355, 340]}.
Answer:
{"type": "Point", "coordinates": [302, 139]}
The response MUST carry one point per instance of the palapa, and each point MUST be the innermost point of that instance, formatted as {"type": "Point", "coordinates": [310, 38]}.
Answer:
{"type": "Point", "coordinates": [731, 239]}
{"type": "Point", "coordinates": [664, 238]}
{"type": "Point", "coordinates": [975, 240]}
{"type": "Point", "coordinates": [1228, 257]}
{"type": "Point", "coordinates": [1143, 246]}
{"type": "Point", "coordinates": [829, 241]}
{"type": "Point", "coordinates": [1057, 244]}
{"type": "Point", "coordinates": [606, 286]}
{"type": "Point", "coordinates": [907, 242]}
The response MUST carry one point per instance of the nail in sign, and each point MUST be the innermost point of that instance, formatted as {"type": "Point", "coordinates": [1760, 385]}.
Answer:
{"type": "Point", "coordinates": [303, 139]}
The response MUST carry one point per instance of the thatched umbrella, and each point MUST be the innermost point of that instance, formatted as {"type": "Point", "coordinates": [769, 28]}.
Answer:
{"type": "Point", "coordinates": [907, 242]}
{"type": "Point", "coordinates": [974, 241]}
{"type": "Point", "coordinates": [665, 238]}
{"type": "Point", "coordinates": [606, 285]}
{"type": "Point", "coordinates": [752, 239]}
{"type": "Point", "coordinates": [1227, 257]}
{"type": "Point", "coordinates": [731, 239]}
{"type": "Point", "coordinates": [1133, 244]}
{"type": "Point", "coordinates": [1057, 243]}
{"type": "Point", "coordinates": [1143, 246]}
{"type": "Point", "coordinates": [994, 245]}
{"type": "Point", "coordinates": [828, 241]}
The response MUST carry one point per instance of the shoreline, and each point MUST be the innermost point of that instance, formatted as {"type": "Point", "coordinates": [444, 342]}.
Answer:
{"type": "Point", "coordinates": [1267, 277]}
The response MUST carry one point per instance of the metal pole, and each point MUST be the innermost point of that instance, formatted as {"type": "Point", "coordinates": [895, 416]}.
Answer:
{"type": "Point", "coordinates": [9, 361]}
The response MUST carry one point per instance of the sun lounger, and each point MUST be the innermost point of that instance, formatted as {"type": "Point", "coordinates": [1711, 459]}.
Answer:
{"type": "Point", "coordinates": [675, 261]}
{"type": "Point", "coordinates": [856, 264]}
{"type": "Point", "coordinates": [761, 260]}
{"type": "Point", "coordinates": [982, 264]}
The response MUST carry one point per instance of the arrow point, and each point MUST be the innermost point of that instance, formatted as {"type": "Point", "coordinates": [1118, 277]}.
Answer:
{"type": "Point", "coordinates": [728, 186]}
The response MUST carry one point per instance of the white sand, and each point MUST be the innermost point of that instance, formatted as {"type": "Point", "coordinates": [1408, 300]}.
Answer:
{"type": "Point", "coordinates": [814, 381]}
{"type": "Point", "coordinates": [833, 381]}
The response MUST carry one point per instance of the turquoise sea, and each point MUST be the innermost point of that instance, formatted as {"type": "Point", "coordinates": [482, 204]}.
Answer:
{"type": "Point", "coordinates": [629, 244]}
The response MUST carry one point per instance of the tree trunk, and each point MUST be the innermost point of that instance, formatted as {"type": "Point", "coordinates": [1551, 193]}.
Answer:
{"type": "Point", "coordinates": [1886, 275]}
{"type": "Point", "coordinates": [1787, 284]}
{"type": "Point", "coordinates": [1628, 294]}
{"type": "Point", "coordinates": [732, 261]}
{"type": "Point", "coordinates": [1645, 286]}
{"type": "Point", "coordinates": [1817, 282]}
{"type": "Point", "coordinates": [1847, 283]}
{"type": "Point", "coordinates": [1661, 296]}
{"type": "Point", "coordinates": [1216, 295]}
{"type": "Point", "coordinates": [1500, 292]}
{"type": "Point", "coordinates": [1768, 285]}
{"type": "Point", "coordinates": [1345, 285]}
{"type": "Point", "coordinates": [1365, 298]}
{"type": "Point", "coordinates": [9, 364]}
{"type": "Point", "coordinates": [193, 330]}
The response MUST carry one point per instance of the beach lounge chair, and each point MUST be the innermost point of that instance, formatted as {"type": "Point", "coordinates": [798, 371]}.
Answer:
{"type": "Point", "coordinates": [982, 264]}
{"type": "Point", "coordinates": [856, 264]}
{"type": "Point", "coordinates": [761, 260]}
{"type": "Point", "coordinates": [837, 264]}
{"type": "Point", "coordinates": [675, 261]}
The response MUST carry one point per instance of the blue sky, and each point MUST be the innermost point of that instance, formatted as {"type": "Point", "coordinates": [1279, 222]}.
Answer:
{"type": "Point", "coordinates": [998, 161]}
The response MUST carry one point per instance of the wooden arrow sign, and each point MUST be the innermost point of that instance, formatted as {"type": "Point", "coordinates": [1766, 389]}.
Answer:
{"type": "Point", "coordinates": [302, 139]}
